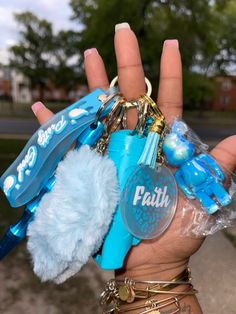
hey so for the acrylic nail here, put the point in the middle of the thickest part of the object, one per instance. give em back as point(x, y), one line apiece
point(90, 51)
point(37, 106)
point(124, 25)
point(171, 43)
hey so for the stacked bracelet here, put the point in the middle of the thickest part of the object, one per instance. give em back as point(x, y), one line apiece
point(128, 291)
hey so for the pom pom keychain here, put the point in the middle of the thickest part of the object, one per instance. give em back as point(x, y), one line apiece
point(73, 218)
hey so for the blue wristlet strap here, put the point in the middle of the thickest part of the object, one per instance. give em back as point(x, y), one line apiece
point(28, 174)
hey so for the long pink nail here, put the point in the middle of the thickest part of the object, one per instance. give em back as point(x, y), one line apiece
point(171, 42)
point(37, 106)
point(90, 51)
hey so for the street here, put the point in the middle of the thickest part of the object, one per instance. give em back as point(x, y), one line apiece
point(206, 131)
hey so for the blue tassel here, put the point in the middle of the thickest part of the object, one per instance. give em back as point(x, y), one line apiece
point(149, 154)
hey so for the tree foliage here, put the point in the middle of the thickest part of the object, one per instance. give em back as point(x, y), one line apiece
point(202, 27)
point(30, 55)
point(206, 30)
point(43, 56)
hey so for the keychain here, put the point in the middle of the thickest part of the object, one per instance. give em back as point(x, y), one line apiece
point(198, 175)
point(35, 165)
point(72, 220)
point(135, 153)
point(149, 200)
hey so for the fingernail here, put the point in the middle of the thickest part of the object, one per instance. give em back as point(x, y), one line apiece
point(37, 106)
point(122, 26)
point(171, 42)
point(90, 51)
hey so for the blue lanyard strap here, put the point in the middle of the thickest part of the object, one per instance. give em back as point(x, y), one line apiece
point(28, 174)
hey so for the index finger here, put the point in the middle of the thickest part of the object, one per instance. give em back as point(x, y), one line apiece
point(170, 85)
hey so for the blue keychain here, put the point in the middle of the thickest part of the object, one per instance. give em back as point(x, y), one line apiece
point(135, 154)
point(71, 221)
point(35, 165)
point(125, 149)
point(198, 175)
point(25, 178)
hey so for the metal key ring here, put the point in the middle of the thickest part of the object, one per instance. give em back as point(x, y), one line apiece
point(148, 84)
point(104, 105)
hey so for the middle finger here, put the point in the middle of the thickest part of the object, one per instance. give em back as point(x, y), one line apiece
point(129, 66)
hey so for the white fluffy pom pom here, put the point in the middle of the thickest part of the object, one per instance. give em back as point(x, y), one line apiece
point(72, 220)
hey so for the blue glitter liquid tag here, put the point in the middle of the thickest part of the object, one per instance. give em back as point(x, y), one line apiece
point(148, 201)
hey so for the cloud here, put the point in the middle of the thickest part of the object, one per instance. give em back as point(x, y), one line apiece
point(57, 12)
point(4, 56)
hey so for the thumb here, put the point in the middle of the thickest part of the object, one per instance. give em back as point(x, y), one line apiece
point(41, 112)
point(225, 153)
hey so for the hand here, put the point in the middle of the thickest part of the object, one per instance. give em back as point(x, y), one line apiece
point(166, 256)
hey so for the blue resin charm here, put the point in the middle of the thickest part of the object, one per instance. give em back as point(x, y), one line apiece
point(197, 176)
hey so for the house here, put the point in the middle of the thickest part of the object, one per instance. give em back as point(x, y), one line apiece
point(5, 83)
point(225, 96)
point(16, 87)
point(20, 88)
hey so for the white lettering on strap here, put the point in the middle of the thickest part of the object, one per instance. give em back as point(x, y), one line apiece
point(44, 136)
point(27, 163)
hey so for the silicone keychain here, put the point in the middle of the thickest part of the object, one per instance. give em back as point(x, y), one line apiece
point(29, 173)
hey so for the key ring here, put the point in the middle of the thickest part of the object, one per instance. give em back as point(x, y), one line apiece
point(104, 105)
point(136, 104)
point(148, 84)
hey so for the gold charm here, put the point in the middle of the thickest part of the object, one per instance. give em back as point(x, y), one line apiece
point(124, 292)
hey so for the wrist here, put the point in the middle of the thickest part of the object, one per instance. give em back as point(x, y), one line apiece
point(160, 271)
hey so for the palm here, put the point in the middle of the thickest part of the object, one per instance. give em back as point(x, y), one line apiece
point(171, 247)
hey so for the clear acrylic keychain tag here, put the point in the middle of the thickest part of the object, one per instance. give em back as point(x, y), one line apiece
point(149, 200)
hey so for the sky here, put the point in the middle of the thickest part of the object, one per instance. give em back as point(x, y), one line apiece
point(56, 11)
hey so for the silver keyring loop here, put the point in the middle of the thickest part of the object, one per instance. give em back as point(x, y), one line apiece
point(148, 84)
point(104, 105)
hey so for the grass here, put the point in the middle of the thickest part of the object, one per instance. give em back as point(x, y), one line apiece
point(9, 149)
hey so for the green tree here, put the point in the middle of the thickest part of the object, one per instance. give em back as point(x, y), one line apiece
point(67, 63)
point(225, 61)
point(198, 25)
point(43, 56)
point(31, 55)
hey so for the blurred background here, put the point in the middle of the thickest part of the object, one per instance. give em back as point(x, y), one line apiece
point(41, 58)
